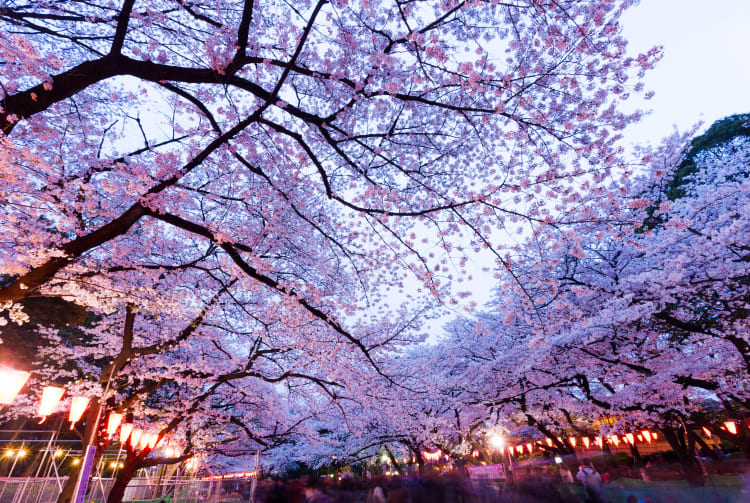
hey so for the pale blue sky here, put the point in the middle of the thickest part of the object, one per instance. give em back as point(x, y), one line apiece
point(703, 76)
point(705, 72)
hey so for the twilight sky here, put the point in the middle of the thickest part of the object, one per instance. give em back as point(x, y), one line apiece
point(705, 72)
point(703, 76)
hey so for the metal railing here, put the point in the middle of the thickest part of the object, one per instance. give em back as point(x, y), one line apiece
point(173, 489)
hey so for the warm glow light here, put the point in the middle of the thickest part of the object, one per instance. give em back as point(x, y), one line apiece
point(519, 449)
point(530, 447)
point(549, 442)
point(153, 438)
point(144, 441)
point(77, 408)
point(113, 464)
point(135, 437)
point(599, 441)
point(431, 456)
point(13, 381)
point(21, 453)
point(51, 396)
point(9, 452)
point(113, 422)
point(731, 427)
point(76, 461)
point(573, 441)
point(707, 432)
point(586, 442)
point(497, 441)
point(654, 435)
point(615, 440)
point(125, 431)
point(58, 453)
point(631, 438)
point(647, 435)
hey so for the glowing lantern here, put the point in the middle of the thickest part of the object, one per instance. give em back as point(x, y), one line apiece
point(647, 435)
point(77, 408)
point(51, 396)
point(153, 440)
point(573, 441)
point(654, 436)
point(731, 427)
point(586, 441)
point(599, 441)
point(113, 422)
point(707, 432)
point(125, 431)
point(135, 437)
point(549, 442)
point(631, 438)
point(144, 441)
point(639, 437)
point(475, 453)
point(530, 447)
point(519, 449)
point(615, 440)
point(13, 381)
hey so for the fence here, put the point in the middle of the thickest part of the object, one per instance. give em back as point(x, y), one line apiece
point(171, 489)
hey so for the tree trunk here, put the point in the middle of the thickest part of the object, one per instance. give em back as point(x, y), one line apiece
point(66, 495)
point(123, 479)
point(685, 451)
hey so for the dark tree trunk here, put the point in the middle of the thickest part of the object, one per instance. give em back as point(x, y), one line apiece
point(685, 451)
point(66, 495)
point(121, 482)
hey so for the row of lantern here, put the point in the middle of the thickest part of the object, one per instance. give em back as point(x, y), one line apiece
point(238, 475)
point(14, 380)
point(628, 439)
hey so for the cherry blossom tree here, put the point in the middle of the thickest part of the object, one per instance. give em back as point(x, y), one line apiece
point(216, 173)
point(638, 311)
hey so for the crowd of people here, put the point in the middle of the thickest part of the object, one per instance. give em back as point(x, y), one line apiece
point(530, 484)
point(453, 487)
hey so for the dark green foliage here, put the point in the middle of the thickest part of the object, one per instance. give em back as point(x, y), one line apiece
point(719, 133)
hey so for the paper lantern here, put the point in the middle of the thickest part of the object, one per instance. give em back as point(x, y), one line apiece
point(143, 443)
point(654, 436)
point(647, 435)
point(135, 437)
point(586, 441)
point(549, 442)
point(77, 407)
point(639, 437)
point(13, 381)
point(530, 447)
point(125, 431)
point(153, 440)
point(731, 427)
point(599, 441)
point(615, 440)
point(51, 396)
point(631, 438)
point(573, 441)
point(113, 422)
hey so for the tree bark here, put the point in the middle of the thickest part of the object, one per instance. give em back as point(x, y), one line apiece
point(123, 479)
point(685, 451)
point(66, 495)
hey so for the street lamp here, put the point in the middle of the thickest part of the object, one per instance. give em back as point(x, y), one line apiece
point(497, 441)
